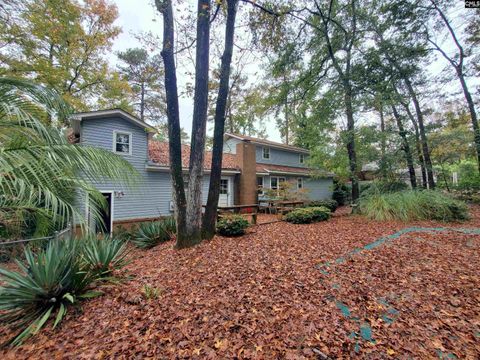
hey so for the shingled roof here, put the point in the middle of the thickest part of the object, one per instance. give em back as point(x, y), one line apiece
point(159, 154)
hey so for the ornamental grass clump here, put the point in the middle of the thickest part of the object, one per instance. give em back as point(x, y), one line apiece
point(413, 205)
point(232, 225)
point(52, 278)
point(308, 215)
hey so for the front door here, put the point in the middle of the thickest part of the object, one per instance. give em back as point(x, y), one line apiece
point(223, 199)
point(104, 224)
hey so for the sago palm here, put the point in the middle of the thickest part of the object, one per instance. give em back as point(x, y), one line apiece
point(41, 173)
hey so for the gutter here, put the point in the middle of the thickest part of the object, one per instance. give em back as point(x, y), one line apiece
point(164, 168)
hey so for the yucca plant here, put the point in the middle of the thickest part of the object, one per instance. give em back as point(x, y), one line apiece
point(153, 233)
point(48, 281)
point(169, 225)
point(101, 256)
point(40, 171)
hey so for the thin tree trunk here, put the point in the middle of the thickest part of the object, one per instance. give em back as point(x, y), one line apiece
point(406, 148)
point(199, 125)
point(287, 126)
point(423, 136)
point(210, 216)
point(142, 102)
point(383, 143)
point(473, 114)
point(457, 63)
point(418, 145)
point(352, 155)
point(173, 118)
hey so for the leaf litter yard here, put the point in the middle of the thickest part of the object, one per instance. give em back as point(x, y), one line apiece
point(343, 288)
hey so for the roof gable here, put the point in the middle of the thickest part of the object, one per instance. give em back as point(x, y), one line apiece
point(102, 114)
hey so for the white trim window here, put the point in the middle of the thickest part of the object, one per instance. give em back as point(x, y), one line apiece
point(275, 183)
point(299, 183)
point(301, 158)
point(223, 186)
point(122, 142)
point(260, 186)
point(266, 152)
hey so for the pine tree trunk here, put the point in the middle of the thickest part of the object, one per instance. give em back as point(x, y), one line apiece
point(406, 147)
point(173, 118)
point(352, 155)
point(473, 114)
point(423, 136)
point(210, 216)
point(199, 125)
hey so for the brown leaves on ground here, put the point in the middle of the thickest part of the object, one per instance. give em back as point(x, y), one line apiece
point(264, 296)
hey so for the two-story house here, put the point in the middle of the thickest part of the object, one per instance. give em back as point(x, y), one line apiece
point(249, 164)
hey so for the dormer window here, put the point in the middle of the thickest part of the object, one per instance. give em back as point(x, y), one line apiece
point(301, 158)
point(122, 142)
point(266, 152)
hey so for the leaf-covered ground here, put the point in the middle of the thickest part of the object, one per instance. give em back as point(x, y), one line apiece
point(343, 288)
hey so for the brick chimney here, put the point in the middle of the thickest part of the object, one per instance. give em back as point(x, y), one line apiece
point(247, 189)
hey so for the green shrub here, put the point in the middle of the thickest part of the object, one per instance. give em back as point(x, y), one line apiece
point(121, 233)
point(308, 215)
point(468, 177)
point(341, 193)
point(413, 205)
point(48, 281)
point(232, 225)
point(153, 233)
point(102, 256)
point(330, 204)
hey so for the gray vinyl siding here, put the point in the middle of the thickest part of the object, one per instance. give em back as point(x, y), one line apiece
point(230, 145)
point(279, 157)
point(317, 189)
point(152, 195)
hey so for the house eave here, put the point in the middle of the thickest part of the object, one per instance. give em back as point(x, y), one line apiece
point(164, 168)
point(101, 114)
point(272, 145)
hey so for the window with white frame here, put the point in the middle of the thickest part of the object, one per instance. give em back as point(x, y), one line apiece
point(300, 183)
point(260, 185)
point(266, 152)
point(301, 158)
point(223, 186)
point(275, 182)
point(123, 142)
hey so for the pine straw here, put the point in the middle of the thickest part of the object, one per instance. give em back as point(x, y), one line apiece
point(262, 296)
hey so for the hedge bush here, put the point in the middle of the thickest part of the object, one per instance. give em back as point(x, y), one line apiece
point(330, 204)
point(413, 205)
point(308, 215)
point(232, 225)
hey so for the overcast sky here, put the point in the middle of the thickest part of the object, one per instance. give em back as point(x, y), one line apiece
point(137, 16)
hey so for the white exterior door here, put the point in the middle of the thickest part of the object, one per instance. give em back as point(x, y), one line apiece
point(225, 198)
